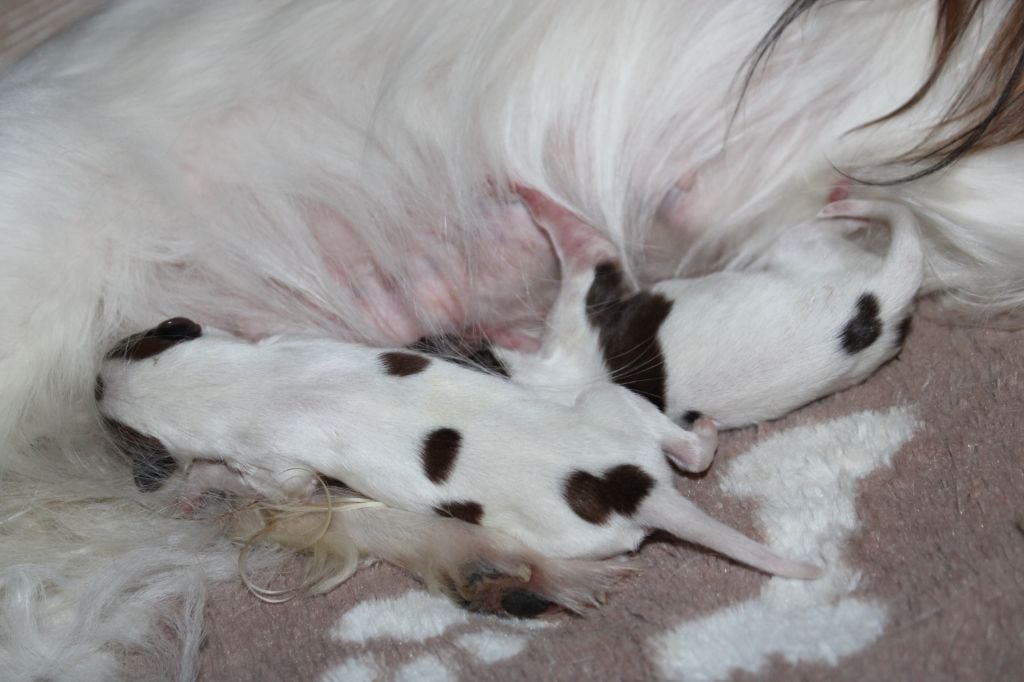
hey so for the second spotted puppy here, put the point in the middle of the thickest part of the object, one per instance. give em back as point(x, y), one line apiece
point(815, 314)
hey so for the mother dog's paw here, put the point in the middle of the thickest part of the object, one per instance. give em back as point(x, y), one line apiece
point(527, 589)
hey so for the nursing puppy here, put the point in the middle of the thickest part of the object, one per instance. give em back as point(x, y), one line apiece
point(321, 168)
point(588, 480)
point(816, 313)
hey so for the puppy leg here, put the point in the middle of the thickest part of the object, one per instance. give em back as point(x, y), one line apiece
point(902, 273)
point(592, 283)
point(569, 343)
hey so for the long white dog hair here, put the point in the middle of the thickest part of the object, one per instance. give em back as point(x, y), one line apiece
point(201, 157)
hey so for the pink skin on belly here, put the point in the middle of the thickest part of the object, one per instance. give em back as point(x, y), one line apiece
point(503, 288)
point(492, 289)
point(500, 289)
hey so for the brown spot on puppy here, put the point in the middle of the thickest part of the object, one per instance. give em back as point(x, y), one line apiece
point(625, 487)
point(156, 340)
point(627, 326)
point(470, 512)
point(864, 328)
point(474, 355)
point(399, 364)
point(440, 448)
point(607, 290)
point(152, 464)
point(585, 494)
point(622, 489)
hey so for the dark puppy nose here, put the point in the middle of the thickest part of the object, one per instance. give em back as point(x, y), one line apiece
point(156, 340)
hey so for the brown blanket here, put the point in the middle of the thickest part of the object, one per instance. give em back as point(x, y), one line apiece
point(910, 488)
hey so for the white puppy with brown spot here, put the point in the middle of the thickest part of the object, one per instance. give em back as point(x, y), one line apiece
point(585, 480)
point(815, 314)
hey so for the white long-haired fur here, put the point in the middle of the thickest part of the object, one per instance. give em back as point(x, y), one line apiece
point(199, 157)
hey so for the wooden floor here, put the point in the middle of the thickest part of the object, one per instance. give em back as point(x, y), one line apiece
point(26, 23)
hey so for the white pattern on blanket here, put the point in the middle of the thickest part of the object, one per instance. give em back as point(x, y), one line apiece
point(420, 617)
point(805, 482)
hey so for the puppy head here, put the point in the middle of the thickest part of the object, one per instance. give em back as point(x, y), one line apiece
point(152, 463)
point(162, 374)
point(176, 393)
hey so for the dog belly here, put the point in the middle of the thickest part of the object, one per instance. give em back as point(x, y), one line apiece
point(504, 279)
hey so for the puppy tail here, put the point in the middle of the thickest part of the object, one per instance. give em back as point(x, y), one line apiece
point(902, 272)
point(680, 517)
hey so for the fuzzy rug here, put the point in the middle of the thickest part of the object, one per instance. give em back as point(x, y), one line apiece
point(909, 487)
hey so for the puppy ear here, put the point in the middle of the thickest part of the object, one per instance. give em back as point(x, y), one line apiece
point(180, 328)
point(152, 464)
point(156, 340)
point(691, 450)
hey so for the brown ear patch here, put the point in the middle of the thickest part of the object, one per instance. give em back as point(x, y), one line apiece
point(470, 512)
point(621, 489)
point(438, 453)
point(152, 464)
point(399, 364)
point(627, 327)
point(156, 340)
point(864, 328)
